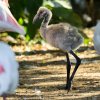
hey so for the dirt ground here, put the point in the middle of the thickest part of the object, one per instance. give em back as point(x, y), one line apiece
point(43, 74)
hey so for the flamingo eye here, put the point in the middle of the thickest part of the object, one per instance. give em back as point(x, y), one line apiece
point(40, 13)
point(1, 69)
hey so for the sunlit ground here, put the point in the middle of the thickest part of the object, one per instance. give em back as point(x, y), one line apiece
point(43, 75)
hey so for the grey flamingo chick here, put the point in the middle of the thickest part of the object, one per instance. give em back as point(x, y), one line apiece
point(62, 36)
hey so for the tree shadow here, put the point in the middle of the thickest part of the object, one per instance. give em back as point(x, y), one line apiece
point(57, 51)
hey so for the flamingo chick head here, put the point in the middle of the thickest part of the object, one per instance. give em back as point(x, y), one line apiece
point(42, 13)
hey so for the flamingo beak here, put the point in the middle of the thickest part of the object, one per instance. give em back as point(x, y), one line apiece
point(7, 20)
point(35, 18)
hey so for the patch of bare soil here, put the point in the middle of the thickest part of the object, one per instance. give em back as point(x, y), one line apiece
point(43, 75)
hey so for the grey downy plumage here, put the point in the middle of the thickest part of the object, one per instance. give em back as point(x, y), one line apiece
point(62, 36)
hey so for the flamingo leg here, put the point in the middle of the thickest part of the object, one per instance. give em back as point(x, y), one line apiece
point(78, 62)
point(68, 67)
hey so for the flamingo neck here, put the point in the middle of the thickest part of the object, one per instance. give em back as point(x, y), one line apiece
point(44, 24)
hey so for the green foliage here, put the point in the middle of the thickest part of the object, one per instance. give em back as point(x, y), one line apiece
point(24, 11)
point(87, 41)
point(66, 15)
